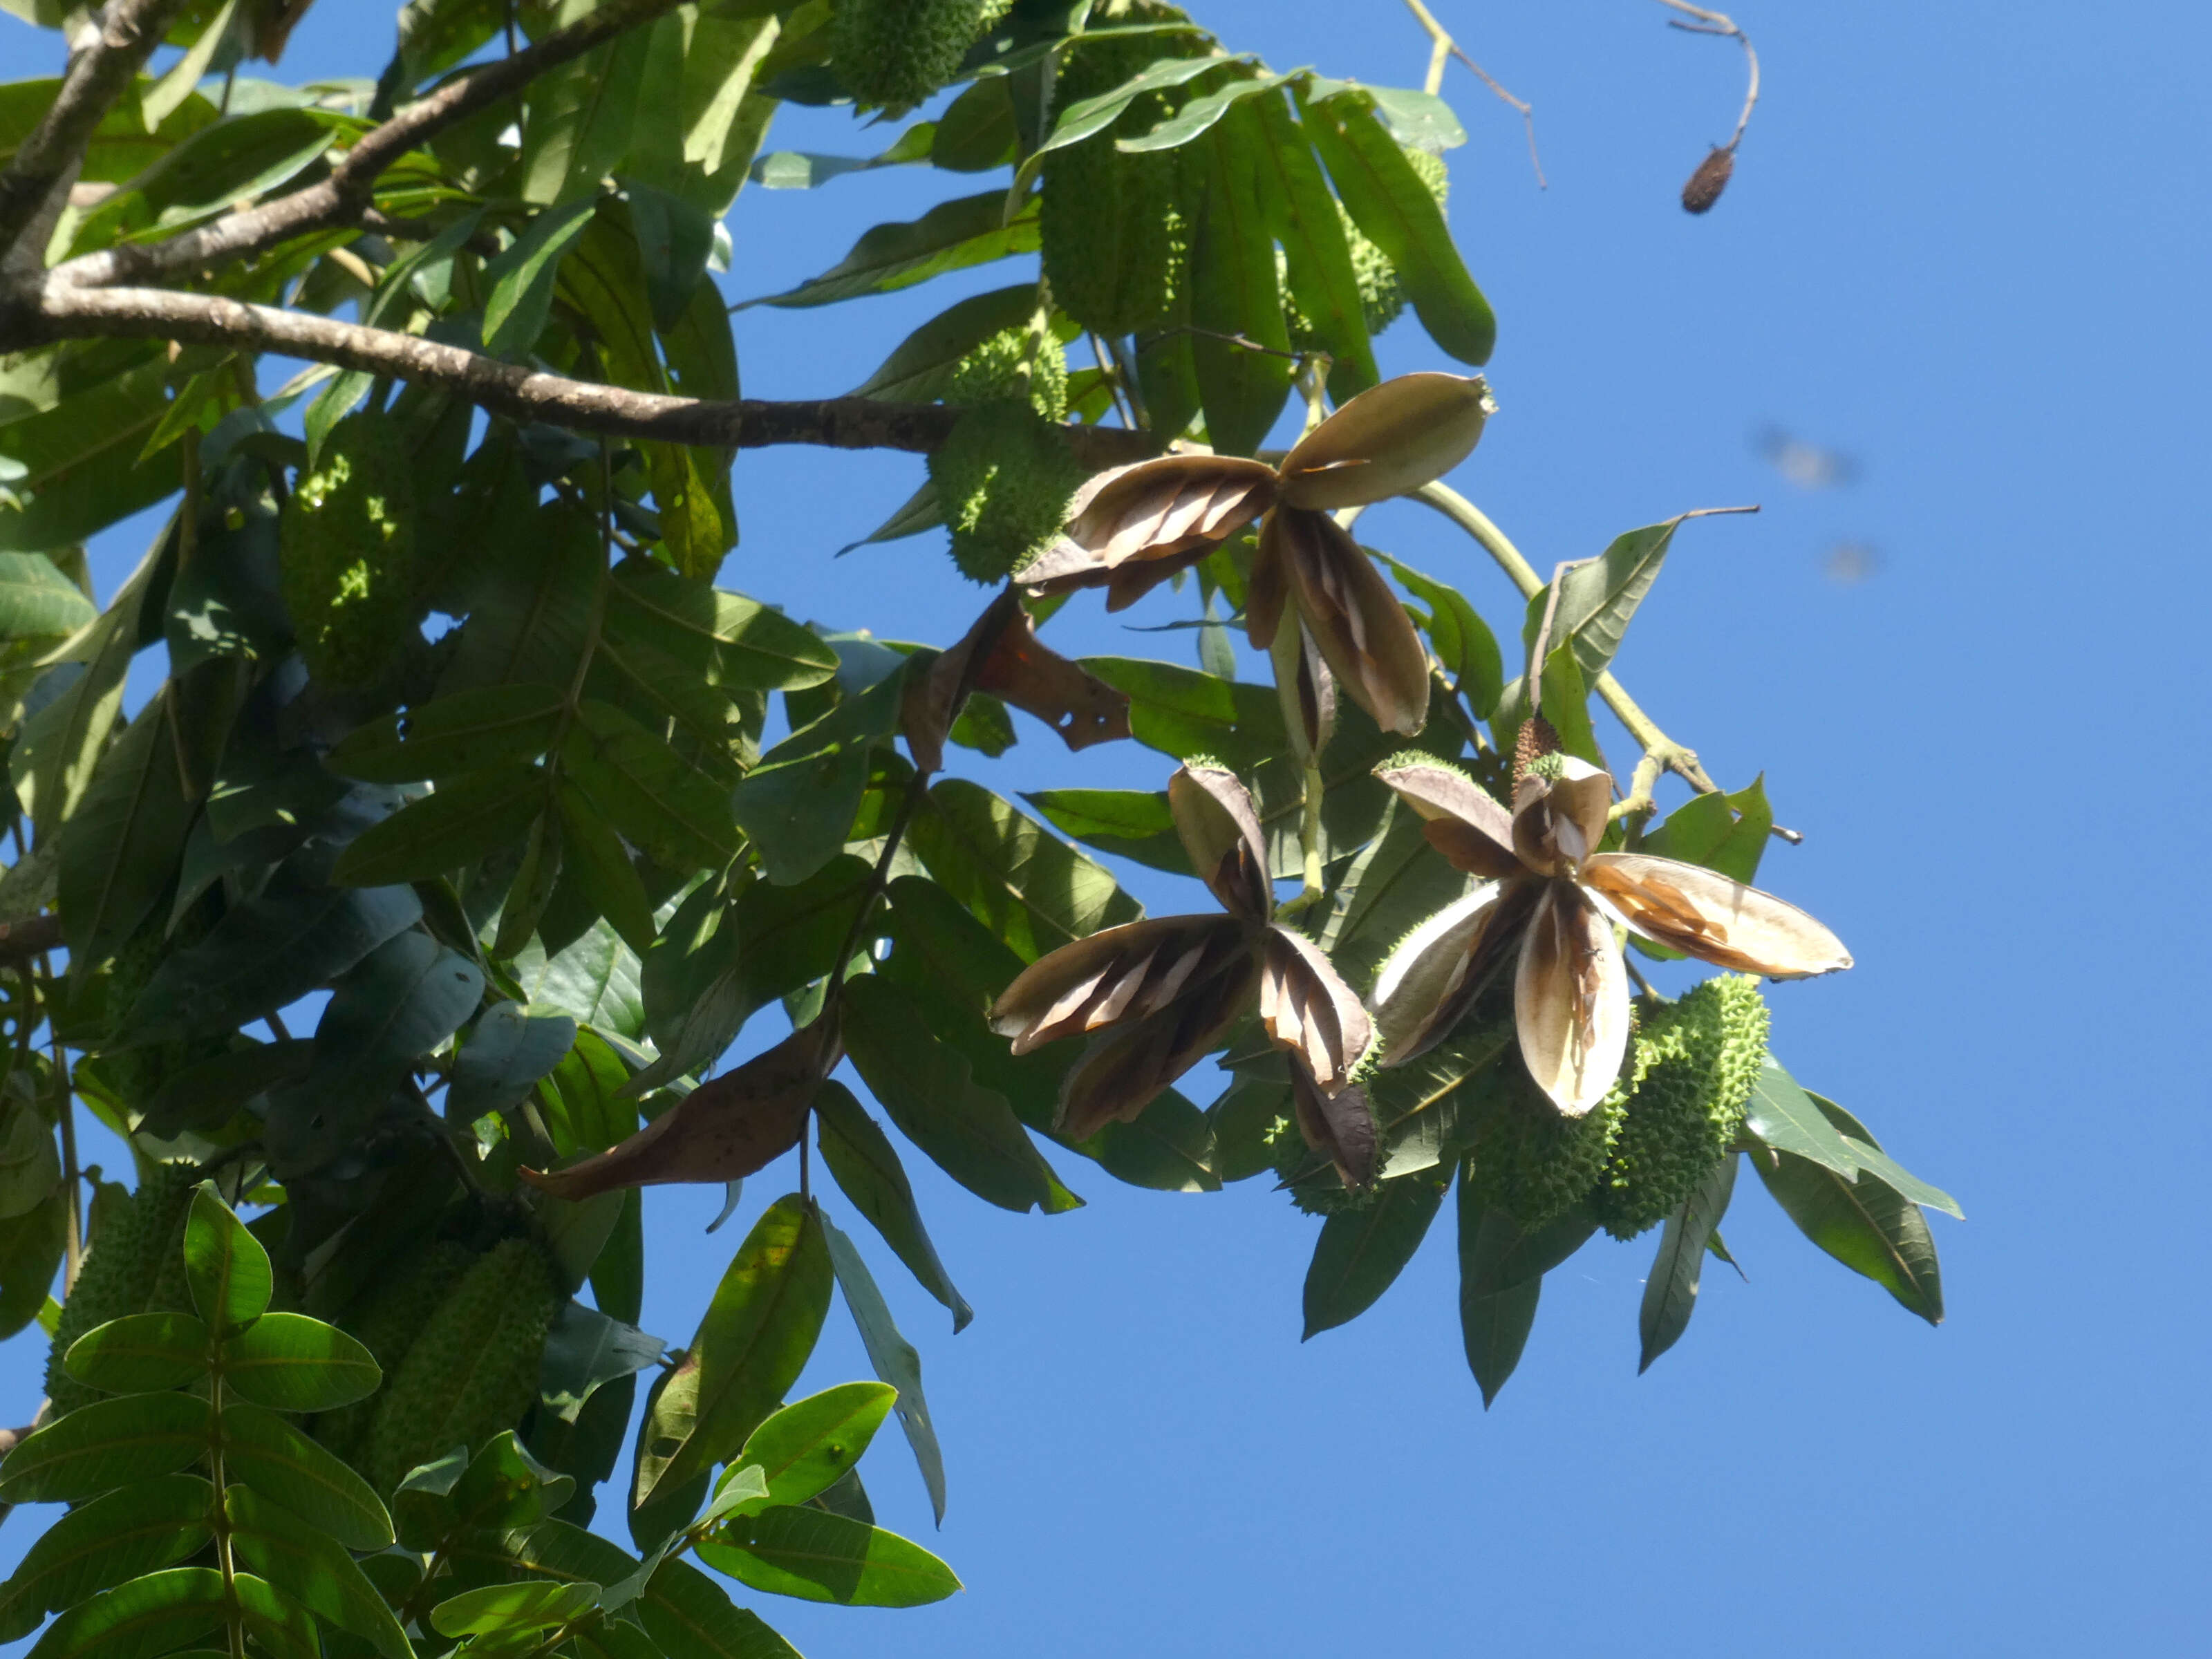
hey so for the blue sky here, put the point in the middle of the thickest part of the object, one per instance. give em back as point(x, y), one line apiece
point(1967, 245)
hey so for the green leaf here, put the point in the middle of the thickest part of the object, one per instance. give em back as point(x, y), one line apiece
point(809, 1445)
point(139, 1353)
point(1866, 1224)
point(893, 1358)
point(689, 1616)
point(593, 857)
point(506, 1052)
point(225, 1265)
point(1670, 1292)
point(1131, 824)
point(1168, 1149)
point(1395, 882)
point(1304, 218)
point(1493, 1324)
point(489, 727)
point(1782, 1116)
point(1418, 120)
point(213, 170)
point(1234, 290)
point(920, 366)
point(660, 803)
point(471, 818)
point(1874, 1161)
point(951, 236)
point(749, 1349)
point(31, 1249)
point(798, 804)
point(183, 77)
point(1361, 1252)
point(1460, 637)
point(817, 1557)
point(730, 639)
point(159, 1613)
point(1031, 890)
point(533, 1605)
point(533, 599)
point(291, 1363)
point(929, 1089)
point(1201, 113)
point(119, 850)
point(1723, 832)
point(1598, 598)
point(1391, 206)
point(77, 468)
point(311, 1569)
point(1502, 1255)
point(585, 1350)
point(404, 1000)
point(1094, 115)
point(503, 1486)
point(36, 601)
point(109, 1443)
point(582, 118)
point(269, 953)
point(521, 279)
point(278, 1462)
point(867, 1170)
point(1181, 711)
point(136, 1530)
point(593, 981)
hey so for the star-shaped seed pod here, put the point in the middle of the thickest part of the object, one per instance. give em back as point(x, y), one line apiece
point(1153, 996)
point(1548, 895)
point(1134, 527)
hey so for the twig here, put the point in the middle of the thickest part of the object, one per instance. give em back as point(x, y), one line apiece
point(1714, 22)
point(31, 936)
point(1445, 49)
point(341, 197)
point(96, 78)
point(1237, 340)
point(1661, 751)
point(64, 311)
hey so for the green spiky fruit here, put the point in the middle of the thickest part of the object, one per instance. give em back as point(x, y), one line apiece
point(1697, 1062)
point(1381, 293)
point(1532, 1161)
point(1112, 232)
point(894, 53)
point(353, 575)
point(1003, 365)
point(128, 1271)
point(1004, 479)
point(386, 1322)
point(473, 1370)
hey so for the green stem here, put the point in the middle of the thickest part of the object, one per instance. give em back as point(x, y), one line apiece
point(219, 1522)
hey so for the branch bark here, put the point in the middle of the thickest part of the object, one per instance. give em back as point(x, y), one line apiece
point(96, 77)
point(343, 197)
point(29, 937)
point(65, 311)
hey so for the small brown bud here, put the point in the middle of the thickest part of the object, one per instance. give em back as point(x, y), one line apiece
point(1538, 738)
point(1707, 183)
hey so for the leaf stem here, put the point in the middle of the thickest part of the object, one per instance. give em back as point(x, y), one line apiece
point(65, 1115)
point(1443, 50)
point(219, 1522)
point(1714, 22)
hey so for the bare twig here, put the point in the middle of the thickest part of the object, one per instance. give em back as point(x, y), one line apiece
point(1714, 22)
point(1444, 48)
point(64, 311)
point(342, 198)
point(96, 78)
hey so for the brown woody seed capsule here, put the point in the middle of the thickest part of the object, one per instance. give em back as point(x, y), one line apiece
point(1707, 183)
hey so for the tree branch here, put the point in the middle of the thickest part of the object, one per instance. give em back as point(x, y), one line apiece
point(96, 77)
point(30, 936)
point(343, 198)
point(64, 311)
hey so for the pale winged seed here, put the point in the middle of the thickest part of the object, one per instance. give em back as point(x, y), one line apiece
point(1390, 438)
point(1362, 629)
point(1571, 1000)
point(1705, 914)
point(1421, 978)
